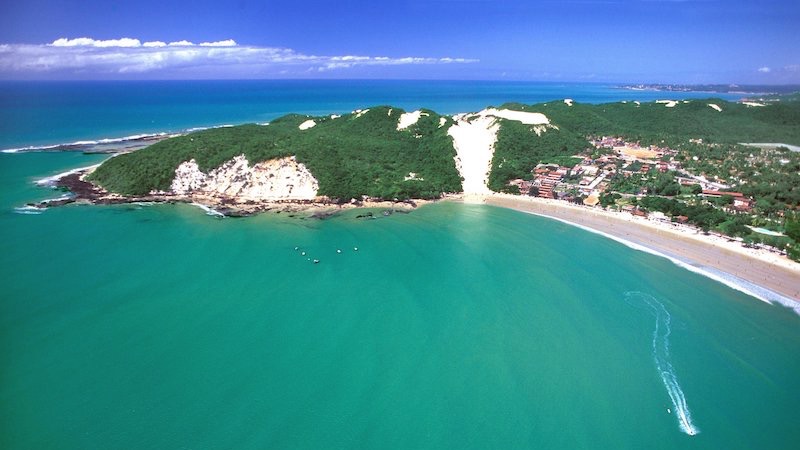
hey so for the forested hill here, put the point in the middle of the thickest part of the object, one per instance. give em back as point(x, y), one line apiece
point(362, 153)
point(675, 123)
point(368, 153)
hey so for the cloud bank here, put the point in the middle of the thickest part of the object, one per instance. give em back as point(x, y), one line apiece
point(126, 56)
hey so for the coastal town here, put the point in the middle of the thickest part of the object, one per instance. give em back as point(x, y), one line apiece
point(620, 175)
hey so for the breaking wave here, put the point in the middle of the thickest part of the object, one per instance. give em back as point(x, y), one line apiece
point(209, 210)
point(661, 357)
point(28, 210)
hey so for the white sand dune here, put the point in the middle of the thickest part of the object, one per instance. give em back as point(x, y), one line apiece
point(474, 144)
point(307, 124)
point(528, 118)
point(668, 103)
point(409, 119)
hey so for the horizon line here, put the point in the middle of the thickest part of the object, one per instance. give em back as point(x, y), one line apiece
point(493, 80)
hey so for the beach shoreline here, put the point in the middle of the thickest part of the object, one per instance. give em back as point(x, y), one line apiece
point(763, 272)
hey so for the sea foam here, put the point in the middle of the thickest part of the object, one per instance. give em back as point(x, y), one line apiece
point(209, 210)
point(28, 210)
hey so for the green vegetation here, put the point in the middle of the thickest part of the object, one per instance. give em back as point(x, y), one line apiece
point(700, 214)
point(519, 149)
point(654, 182)
point(654, 123)
point(793, 232)
point(350, 156)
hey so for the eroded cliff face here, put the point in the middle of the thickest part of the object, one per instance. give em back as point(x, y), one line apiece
point(277, 179)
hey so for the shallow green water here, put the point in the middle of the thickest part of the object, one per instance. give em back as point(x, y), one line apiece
point(454, 326)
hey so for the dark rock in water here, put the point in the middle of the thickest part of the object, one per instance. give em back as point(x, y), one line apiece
point(100, 152)
point(233, 212)
point(322, 215)
point(58, 202)
point(53, 202)
point(81, 189)
point(368, 215)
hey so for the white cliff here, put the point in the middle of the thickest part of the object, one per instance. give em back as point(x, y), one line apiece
point(277, 179)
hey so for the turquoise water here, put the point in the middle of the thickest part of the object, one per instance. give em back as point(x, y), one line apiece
point(455, 326)
point(49, 113)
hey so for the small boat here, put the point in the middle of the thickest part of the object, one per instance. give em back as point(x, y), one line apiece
point(316, 261)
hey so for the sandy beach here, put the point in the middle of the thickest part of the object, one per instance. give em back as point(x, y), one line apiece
point(762, 268)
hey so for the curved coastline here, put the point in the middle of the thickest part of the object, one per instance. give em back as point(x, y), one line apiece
point(767, 277)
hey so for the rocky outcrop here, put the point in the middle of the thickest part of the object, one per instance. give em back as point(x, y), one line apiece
point(277, 179)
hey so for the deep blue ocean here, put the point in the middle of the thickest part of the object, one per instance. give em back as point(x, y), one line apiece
point(452, 327)
point(51, 113)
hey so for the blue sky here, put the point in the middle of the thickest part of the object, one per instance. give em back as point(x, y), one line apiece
point(670, 41)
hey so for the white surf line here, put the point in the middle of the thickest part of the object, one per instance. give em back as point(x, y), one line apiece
point(732, 281)
point(118, 140)
point(91, 142)
point(661, 357)
point(209, 210)
point(28, 210)
point(51, 180)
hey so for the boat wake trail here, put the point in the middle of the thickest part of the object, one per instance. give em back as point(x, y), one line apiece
point(662, 359)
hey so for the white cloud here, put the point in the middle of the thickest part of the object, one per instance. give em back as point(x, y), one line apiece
point(764, 69)
point(183, 43)
point(226, 57)
point(225, 43)
point(89, 42)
